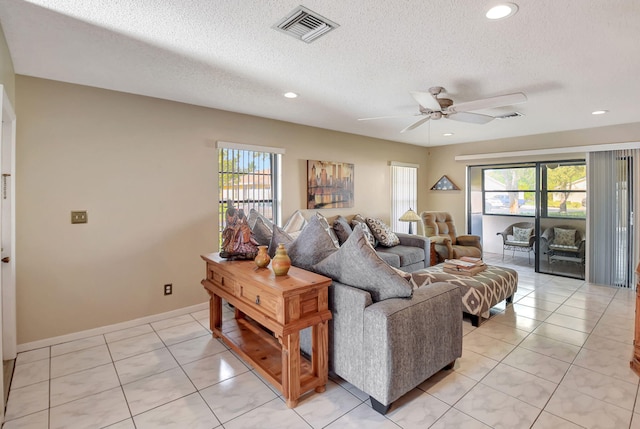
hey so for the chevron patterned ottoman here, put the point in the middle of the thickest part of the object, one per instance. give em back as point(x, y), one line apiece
point(479, 292)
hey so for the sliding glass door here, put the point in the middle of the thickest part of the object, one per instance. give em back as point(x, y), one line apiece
point(545, 199)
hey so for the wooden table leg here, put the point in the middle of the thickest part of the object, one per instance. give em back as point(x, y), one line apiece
point(319, 354)
point(291, 368)
point(215, 313)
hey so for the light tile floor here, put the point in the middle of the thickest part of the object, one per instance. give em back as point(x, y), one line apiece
point(557, 358)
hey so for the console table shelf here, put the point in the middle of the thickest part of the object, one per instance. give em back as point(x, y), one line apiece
point(270, 312)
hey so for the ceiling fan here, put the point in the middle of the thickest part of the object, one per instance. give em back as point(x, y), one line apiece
point(433, 107)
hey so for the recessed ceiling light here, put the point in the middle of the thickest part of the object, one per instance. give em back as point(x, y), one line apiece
point(502, 10)
point(447, 134)
point(599, 112)
point(291, 95)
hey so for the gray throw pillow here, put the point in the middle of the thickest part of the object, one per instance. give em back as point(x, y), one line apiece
point(342, 228)
point(262, 232)
point(253, 217)
point(312, 245)
point(382, 232)
point(325, 224)
point(279, 236)
point(357, 264)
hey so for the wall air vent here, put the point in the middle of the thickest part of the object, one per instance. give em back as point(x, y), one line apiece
point(305, 25)
point(509, 115)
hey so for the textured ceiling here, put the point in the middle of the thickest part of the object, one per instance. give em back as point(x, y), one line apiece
point(569, 57)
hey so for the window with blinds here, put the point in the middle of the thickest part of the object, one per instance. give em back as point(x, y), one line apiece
point(404, 193)
point(248, 178)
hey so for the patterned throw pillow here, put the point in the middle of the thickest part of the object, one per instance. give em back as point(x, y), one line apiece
point(382, 232)
point(521, 234)
point(342, 228)
point(357, 264)
point(564, 237)
point(359, 220)
point(325, 224)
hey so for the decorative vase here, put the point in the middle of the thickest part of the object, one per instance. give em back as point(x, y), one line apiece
point(262, 259)
point(281, 261)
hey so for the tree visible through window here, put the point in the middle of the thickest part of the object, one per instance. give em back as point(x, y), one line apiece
point(247, 179)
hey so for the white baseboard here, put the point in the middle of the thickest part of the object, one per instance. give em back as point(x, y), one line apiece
point(47, 342)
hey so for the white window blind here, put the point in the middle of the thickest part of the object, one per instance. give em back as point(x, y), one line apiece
point(614, 238)
point(404, 194)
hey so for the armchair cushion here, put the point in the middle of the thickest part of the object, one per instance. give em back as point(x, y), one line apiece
point(522, 234)
point(358, 265)
point(564, 237)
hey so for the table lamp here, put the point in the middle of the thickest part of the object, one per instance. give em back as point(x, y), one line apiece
point(410, 216)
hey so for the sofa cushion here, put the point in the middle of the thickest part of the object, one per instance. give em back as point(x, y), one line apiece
point(382, 232)
point(312, 245)
point(357, 264)
point(342, 228)
point(406, 255)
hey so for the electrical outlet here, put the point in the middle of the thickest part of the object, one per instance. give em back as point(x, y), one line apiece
point(79, 217)
point(168, 289)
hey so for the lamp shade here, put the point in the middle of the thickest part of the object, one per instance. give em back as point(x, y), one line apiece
point(409, 216)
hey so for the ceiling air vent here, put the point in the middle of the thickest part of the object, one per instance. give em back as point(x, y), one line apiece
point(305, 25)
point(509, 115)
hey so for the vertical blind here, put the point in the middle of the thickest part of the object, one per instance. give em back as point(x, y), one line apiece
point(614, 238)
point(404, 193)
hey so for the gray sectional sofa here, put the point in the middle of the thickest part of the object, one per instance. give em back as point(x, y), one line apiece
point(388, 348)
point(386, 337)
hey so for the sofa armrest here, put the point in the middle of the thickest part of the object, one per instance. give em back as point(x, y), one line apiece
point(408, 340)
point(346, 328)
point(469, 240)
point(417, 241)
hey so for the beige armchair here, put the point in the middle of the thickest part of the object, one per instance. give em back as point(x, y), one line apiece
point(441, 230)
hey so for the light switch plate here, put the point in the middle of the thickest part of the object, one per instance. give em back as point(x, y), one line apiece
point(79, 217)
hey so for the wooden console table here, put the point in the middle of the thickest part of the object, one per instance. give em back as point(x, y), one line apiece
point(270, 312)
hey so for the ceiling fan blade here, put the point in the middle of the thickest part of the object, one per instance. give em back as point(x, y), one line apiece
point(388, 117)
point(474, 118)
point(426, 100)
point(489, 103)
point(416, 124)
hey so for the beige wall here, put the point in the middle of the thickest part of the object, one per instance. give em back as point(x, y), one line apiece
point(441, 160)
point(7, 75)
point(145, 170)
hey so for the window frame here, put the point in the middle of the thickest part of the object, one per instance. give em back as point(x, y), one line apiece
point(404, 196)
point(252, 194)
